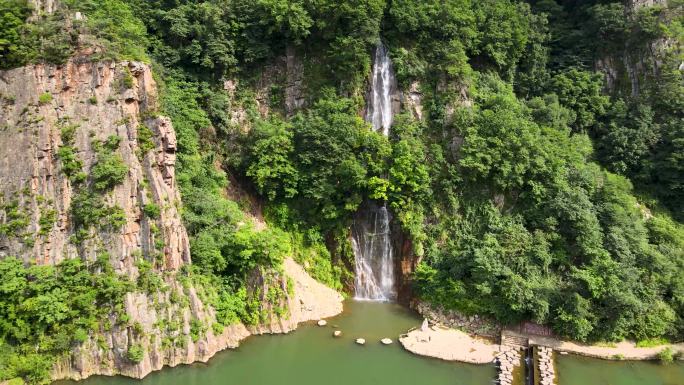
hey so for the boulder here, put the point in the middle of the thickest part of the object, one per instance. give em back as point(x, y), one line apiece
point(337, 333)
point(386, 341)
point(322, 322)
point(360, 341)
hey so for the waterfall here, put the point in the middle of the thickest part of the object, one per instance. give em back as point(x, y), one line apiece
point(371, 237)
point(373, 255)
point(379, 111)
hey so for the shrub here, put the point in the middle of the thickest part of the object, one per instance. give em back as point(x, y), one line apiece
point(46, 221)
point(71, 164)
point(152, 210)
point(652, 342)
point(666, 356)
point(127, 80)
point(45, 98)
point(197, 329)
point(115, 217)
point(88, 210)
point(112, 142)
point(33, 368)
point(148, 280)
point(109, 171)
point(80, 335)
point(46, 309)
point(135, 353)
point(138, 328)
point(217, 328)
point(67, 133)
point(145, 140)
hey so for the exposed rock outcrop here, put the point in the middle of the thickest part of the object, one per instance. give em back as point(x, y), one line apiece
point(627, 69)
point(412, 100)
point(98, 101)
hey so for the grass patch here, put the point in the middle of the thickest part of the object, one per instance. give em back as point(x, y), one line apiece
point(652, 342)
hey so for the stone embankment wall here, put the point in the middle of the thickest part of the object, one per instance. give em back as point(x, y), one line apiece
point(547, 371)
point(509, 365)
point(471, 324)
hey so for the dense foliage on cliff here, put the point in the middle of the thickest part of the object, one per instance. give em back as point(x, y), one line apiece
point(534, 186)
point(46, 310)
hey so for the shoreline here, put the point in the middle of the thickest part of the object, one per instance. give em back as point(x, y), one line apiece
point(452, 344)
point(311, 301)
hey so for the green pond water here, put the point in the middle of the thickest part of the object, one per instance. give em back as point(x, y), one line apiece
point(577, 370)
point(311, 356)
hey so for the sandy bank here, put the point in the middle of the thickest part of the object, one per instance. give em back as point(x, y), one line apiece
point(455, 345)
point(449, 344)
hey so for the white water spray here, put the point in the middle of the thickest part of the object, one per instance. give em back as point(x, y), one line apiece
point(371, 237)
point(379, 111)
point(371, 242)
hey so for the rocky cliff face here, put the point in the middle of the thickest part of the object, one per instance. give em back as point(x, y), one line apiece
point(97, 101)
point(625, 70)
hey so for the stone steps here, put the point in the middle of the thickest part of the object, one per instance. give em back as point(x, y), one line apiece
point(512, 340)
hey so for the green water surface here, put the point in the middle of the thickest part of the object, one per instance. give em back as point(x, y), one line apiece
point(577, 370)
point(311, 356)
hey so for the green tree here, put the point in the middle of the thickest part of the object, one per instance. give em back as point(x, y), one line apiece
point(580, 91)
point(270, 164)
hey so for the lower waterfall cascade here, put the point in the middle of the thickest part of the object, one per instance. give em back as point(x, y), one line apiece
point(374, 256)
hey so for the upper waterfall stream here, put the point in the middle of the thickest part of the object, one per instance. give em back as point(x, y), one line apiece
point(379, 109)
point(371, 236)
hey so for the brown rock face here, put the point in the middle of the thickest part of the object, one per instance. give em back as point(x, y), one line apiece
point(101, 100)
point(406, 263)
